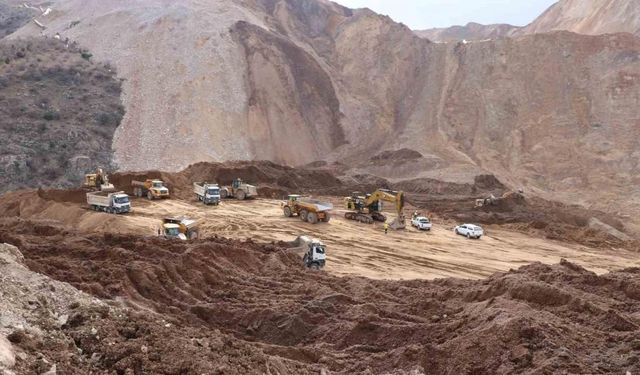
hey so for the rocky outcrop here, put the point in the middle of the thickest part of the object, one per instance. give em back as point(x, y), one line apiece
point(588, 17)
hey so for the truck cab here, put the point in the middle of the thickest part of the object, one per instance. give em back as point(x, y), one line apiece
point(172, 231)
point(316, 256)
point(212, 194)
point(121, 203)
point(158, 189)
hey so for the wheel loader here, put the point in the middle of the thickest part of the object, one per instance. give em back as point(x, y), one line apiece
point(239, 190)
point(310, 210)
point(368, 208)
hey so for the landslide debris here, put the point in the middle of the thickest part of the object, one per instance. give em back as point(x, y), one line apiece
point(275, 315)
point(47, 325)
point(58, 113)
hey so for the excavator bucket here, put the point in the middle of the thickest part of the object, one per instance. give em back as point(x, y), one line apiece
point(107, 187)
point(398, 223)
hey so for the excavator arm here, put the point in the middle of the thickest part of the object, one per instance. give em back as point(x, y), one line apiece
point(396, 197)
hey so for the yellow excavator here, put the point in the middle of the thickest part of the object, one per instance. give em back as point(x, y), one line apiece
point(98, 181)
point(368, 208)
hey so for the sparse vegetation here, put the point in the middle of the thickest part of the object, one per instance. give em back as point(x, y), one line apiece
point(55, 105)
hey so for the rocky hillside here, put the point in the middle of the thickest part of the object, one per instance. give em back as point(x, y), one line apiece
point(13, 17)
point(471, 32)
point(58, 113)
point(300, 81)
point(589, 17)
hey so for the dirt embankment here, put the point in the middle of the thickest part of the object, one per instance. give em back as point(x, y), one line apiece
point(541, 318)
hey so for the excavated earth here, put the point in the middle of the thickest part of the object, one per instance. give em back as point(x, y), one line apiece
point(224, 306)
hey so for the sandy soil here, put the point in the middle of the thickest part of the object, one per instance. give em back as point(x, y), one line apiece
point(364, 250)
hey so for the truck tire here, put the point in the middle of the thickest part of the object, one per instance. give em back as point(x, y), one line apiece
point(150, 195)
point(241, 195)
point(303, 215)
point(327, 217)
point(468, 235)
point(287, 211)
point(312, 218)
point(224, 193)
point(314, 266)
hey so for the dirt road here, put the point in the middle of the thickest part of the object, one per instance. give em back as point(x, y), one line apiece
point(359, 249)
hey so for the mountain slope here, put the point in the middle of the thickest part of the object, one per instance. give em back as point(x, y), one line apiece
point(58, 114)
point(471, 31)
point(295, 81)
point(589, 17)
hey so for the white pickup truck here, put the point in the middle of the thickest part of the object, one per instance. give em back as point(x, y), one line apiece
point(421, 223)
point(113, 203)
point(207, 193)
point(469, 230)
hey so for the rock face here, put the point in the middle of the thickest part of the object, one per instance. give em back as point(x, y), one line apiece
point(306, 80)
point(589, 17)
point(471, 31)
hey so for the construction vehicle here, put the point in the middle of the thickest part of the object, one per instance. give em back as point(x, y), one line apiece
point(98, 181)
point(310, 210)
point(180, 227)
point(111, 202)
point(207, 193)
point(239, 190)
point(315, 254)
point(151, 188)
point(368, 208)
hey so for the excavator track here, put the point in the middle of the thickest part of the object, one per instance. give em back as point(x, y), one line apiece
point(358, 217)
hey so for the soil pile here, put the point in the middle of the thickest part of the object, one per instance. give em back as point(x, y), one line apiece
point(541, 318)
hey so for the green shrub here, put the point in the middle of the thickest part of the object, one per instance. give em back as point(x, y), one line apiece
point(51, 115)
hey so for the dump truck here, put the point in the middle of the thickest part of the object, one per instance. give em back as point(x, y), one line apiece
point(98, 181)
point(239, 190)
point(180, 227)
point(111, 202)
point(315, 255)
point(308, 209)
point(151, 188)
point(207, 193)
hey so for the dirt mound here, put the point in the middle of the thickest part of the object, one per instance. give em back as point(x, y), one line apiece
point(483, 185)
point(51, 325)
point(541, 318)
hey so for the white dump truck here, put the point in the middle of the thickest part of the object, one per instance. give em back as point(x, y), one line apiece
point(113, 203)
point(315, 252)
point(207, 193)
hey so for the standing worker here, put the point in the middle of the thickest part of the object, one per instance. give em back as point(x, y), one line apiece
point(386, 228)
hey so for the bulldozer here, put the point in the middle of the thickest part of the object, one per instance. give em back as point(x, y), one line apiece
point(180, 228)
point(368, 208)
point(98, 181)
point(239, 190)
